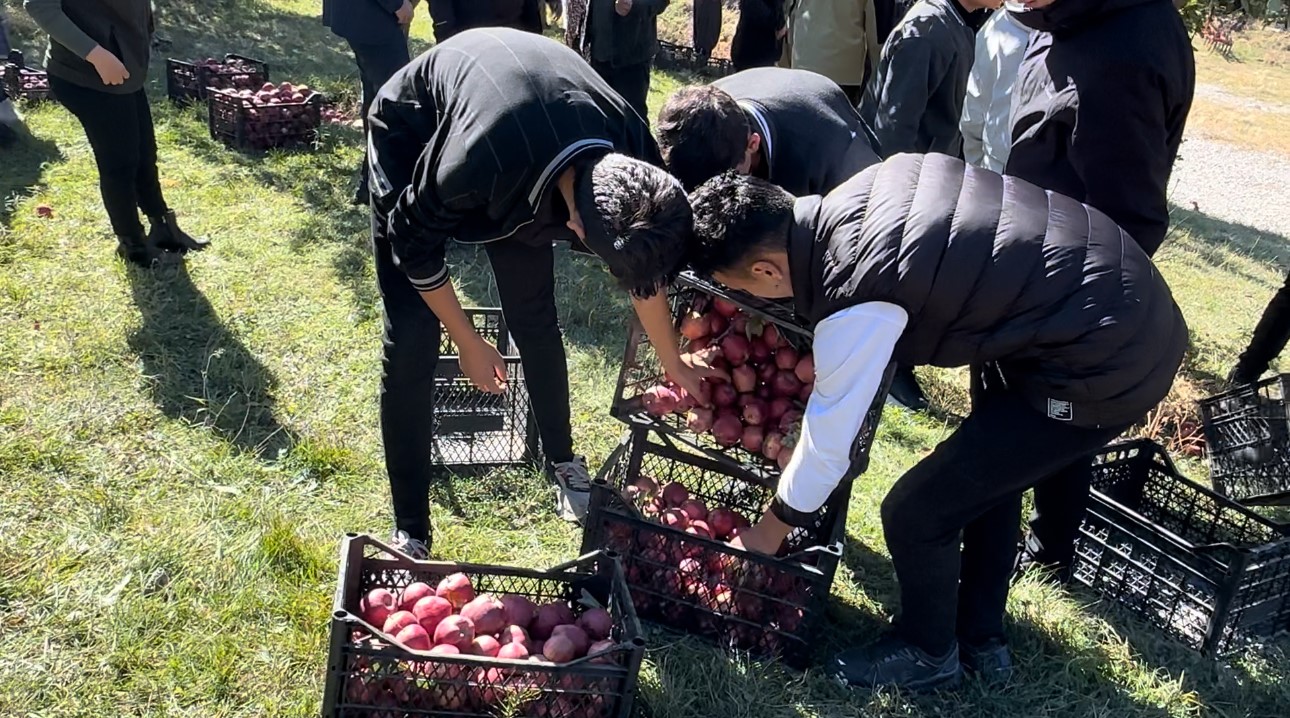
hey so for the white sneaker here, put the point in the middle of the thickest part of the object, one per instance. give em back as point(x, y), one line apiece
point(573, 489)
point(414, 548)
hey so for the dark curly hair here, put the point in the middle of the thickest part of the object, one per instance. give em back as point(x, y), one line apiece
point(736, 219)
point(637, 219)
point(702, 132)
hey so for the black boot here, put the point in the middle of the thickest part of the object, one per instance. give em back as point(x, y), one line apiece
point(167, 235)
point(137, 250)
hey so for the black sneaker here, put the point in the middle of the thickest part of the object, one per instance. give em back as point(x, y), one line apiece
point(892, 662)
point(991, 662)
point(905, 390)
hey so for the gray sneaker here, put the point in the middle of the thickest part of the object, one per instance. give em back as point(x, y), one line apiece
point(414, 548)
point(573, 489)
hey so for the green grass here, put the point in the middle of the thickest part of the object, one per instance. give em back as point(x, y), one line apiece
point(180, 450)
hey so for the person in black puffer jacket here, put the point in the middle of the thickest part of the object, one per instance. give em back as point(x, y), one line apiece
point(925, 260)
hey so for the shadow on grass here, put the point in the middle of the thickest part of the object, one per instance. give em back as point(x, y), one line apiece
point(24, 164)
point(1219, 239)
point(198, 370)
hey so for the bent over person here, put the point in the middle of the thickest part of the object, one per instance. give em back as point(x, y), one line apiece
point(509, 140)
point(925, 260)
point(791, 127)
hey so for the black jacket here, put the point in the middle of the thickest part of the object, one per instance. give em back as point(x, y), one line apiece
point(622, 40)
point(989, 270)
point(755, 44)
point(467, 140)
point(453, 16)
point(1100, 104)
point(914, 101)
point(812, 139)
point(75, 27)
point(364, 21)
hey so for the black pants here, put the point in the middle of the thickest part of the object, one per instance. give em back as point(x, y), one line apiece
point(629, 81)
point(377, 63)
point(952, 521)
point(1270, 336)
point(119, 128)
point(526, 283)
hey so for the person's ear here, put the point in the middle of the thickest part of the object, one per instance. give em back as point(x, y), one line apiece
point(750, 151)
point(766, 270)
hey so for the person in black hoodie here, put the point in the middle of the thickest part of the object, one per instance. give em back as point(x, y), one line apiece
point(508, 140)
point(620, 38)
point(925, 260)
point(1099, 108)
point(791, 127)
point(1123, 72)
point(758, 33)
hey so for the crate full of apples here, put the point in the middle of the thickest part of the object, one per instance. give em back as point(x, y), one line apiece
point(430, 638)
point(22, 82)
point(189, 81)
point(755, 417)
point(669, 513)
point(273, 117)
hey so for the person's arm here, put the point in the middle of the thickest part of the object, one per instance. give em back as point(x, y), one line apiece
point(49, 16)
point(980, 90)
point(1120, 150)
point(913, 71)
point(419, 226)
point(656, 318)
point(852, 349)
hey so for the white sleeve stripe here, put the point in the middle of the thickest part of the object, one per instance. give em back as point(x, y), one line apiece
point(852, 349)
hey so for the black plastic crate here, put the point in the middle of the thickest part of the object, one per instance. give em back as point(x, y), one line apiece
point(235, 118)
point(372, 676)
point(476, 431)
point(25, 83)
point(641, 370)
point(191, 81)
point(674, 56)
point(765, 605)
point(1247, 440)
point(1208, 571)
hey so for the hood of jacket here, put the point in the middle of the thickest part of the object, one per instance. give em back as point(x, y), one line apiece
point(1071, 15)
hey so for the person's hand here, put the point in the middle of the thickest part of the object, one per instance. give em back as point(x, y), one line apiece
point(483, 365)
point(109, 67)
point(689, 372)
point(766, 536)
point(404, 13)
point(781, 33)
point(622, 7)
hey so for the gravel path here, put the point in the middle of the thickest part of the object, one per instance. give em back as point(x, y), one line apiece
point(1232, 184)
point(1218, 94)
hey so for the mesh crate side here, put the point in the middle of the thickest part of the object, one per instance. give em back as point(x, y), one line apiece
point(1247, 441)
point(473, 428)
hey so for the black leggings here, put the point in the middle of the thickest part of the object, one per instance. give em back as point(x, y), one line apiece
point(119, 128)
point(526, 284)
point(967, 494)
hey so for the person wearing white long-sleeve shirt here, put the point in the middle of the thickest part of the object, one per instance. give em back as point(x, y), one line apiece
point(987, 108)
point(924, 260)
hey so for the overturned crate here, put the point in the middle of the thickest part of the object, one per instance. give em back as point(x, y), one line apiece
point(1206, 570)
point(372, 675)
point(1247, 441)
point(474, 431)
